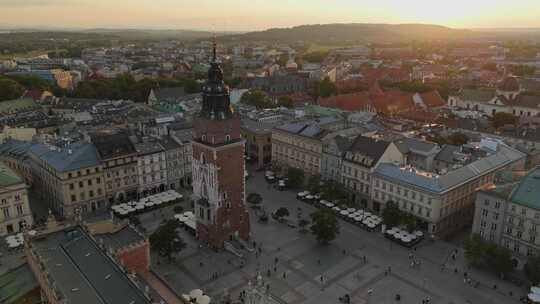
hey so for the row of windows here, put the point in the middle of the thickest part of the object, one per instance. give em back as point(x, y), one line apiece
point(6, 211)
point(117, 173)
point(519, 248)
point(86, 172)
point(402, 191)
point(82, 195)
point(81, 183)
point(16, 197)
point(404, 204)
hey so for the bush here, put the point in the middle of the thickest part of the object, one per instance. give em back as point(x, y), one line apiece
point(178, 209)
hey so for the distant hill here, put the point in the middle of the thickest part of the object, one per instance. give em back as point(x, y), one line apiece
point(355, 33)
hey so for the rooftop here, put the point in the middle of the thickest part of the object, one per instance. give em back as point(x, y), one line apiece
point(73, 157)
point(111, 145)
point(8, 177)
point(442, 183)
point(527, 192)
point(82, 273)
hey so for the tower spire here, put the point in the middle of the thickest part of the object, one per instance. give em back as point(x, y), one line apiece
point(214, 58)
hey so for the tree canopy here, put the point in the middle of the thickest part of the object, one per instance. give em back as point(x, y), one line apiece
point(326, 88)
point(165, 240)
point(125, 87)
point(487, 255)
point(254, 198)
point(295, 177)
point(282, 212)
point(456, 139)
point(10, 89)
point(325, 225)
point(315, 56)
point(532, 269)
point(258, 99)
point(500, 119)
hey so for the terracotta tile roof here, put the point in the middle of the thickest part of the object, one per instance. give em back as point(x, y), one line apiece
point(432, 99)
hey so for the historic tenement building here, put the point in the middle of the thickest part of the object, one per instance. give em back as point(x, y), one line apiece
point(218, 166)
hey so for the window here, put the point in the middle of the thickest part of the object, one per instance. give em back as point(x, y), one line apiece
point(71, 186)
point(81, 184)
point(19, 209)
point(227, 138)
point(98, 180)
point(5, 210)
point(89, 182)
point(83, 196)
point(70, 175)
point(91, 193)
point(99, 191)
point(73, 198)
point(486, 202)
point(497, 205)
point(87, 171)
point(484, 212)
point(519, 234)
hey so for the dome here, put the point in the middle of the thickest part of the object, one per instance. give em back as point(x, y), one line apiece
point(509, 84)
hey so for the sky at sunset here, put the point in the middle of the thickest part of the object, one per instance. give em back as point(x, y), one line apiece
point(261, 14)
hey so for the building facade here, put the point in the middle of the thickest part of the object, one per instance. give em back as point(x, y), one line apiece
point(15, 213)
point(442, 204)
point(218, 166)
point(509, 216)
point(333, 151)
point(119, 159)
point(151, 166)
point(69, 179)
point(258, 137)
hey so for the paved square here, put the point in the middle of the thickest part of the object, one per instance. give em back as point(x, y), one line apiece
point(292, 262)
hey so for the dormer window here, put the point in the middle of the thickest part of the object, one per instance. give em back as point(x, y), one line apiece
point(203, 138)
point(227, 138)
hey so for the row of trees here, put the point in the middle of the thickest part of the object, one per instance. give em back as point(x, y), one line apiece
point(393, 216)
point(125, 87)
point(261, 100)
point(456, 139)
point(487, 255)
point(13, 86)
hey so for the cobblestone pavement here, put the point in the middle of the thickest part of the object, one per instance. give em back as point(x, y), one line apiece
point(292, 264)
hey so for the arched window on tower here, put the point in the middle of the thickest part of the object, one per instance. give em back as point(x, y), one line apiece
point(203, 158)
point(227, 138)
point(203, 137)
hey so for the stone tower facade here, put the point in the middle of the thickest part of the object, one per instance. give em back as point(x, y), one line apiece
point(218, 166)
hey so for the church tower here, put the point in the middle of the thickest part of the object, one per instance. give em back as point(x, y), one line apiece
point(218, 165)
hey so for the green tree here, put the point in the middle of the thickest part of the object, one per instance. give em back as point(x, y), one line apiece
point(522, 70)
point(333, 191)
point(391, 214)
point(303, 223)
point(500, 119)
point(327, 88)
point(532, 269)
point(258, 99)
point(315, 57)
point(325, 225)
point(254, 198)
point(499, 259)
point(474, 249)
point(458, 139)
point(295, 177)
point(285, 101)
point(314, 183)
point(10, 89)
point(166, 241)
point(281, 213)
point(283, 59)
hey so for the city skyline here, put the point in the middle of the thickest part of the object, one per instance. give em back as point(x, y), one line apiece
point(243, 15)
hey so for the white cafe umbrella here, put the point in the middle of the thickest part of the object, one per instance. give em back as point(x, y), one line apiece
point(352, 215)
point(351, 209)
point(419, 233)
point(203, 299)
point(196, 293)
point(309, 196)
point(336, 208)
point(344, 212)
point(406, 239)
point(535, 289)
point(534, 297)
point(329, 205)
point(371, 225)
point(358, 218)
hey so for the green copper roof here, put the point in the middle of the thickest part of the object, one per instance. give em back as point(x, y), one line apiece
point(527, 192)
point(7, 176)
